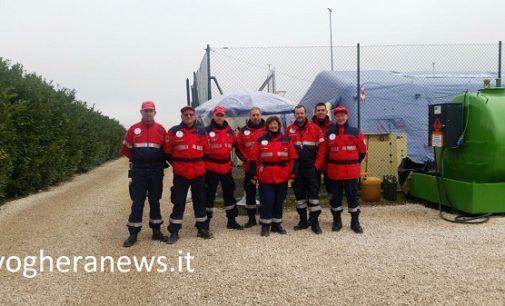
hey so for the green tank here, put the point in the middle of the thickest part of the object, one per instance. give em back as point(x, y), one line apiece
point(481, 159)
point(473, 176)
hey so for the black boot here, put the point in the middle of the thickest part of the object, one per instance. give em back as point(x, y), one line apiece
point(314, 222)
point(130, 240)
point(173, 237)
point(337, 221)
point(209, 217)
point(303, 223)
point(265, 230)
point(251, 222)
point(355, 226)
point(204, 233)
point(158, 235)
point(232, 224)
point(252, 218)
point(277, 228)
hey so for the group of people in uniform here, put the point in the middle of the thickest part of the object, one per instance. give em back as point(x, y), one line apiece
point(305, 152)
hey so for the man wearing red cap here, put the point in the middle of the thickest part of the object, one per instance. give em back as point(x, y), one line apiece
point(186, 146)
point(345, 148)
point(143, 145)
point(218, 166)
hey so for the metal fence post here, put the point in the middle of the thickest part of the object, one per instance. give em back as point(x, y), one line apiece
point(196, 98)
point(188, 98)
point(209, 89)
point(331, 39)
point(499, 59)
point(358, 87)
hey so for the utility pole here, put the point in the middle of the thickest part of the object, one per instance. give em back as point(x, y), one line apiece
point(331, 39)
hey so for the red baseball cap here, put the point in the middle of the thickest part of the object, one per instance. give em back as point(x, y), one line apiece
point(186, 108)
point(340, 109)
point(220, 110)
point(148, 105)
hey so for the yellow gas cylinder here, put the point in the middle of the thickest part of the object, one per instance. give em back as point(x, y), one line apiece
point(371, 189)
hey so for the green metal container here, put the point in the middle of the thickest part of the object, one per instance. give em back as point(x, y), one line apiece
point(473, 176)
point(481, 159)
point(472, 198)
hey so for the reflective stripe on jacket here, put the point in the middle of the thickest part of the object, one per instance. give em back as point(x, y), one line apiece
point(345, 149)
point(143, 145)
point(221, 142)
point(307, 140)
point(273, 159)
point(186, 148)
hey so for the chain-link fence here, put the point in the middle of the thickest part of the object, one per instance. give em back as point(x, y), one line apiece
point(295, 68)
point(387, 88)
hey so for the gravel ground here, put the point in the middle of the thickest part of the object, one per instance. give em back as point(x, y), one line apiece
point(407, 255)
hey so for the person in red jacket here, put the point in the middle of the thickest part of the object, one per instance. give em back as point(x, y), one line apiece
point(345, 149)
point(307, 138)
point(322, 119)
point(246, 137)
point(218, 166)
point(273, 162)
point(143, 145)
point(185, 147)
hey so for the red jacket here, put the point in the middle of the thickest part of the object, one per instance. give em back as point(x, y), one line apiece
point(324, 125)
point(273, 159)
point(345, 149)
point(307, 140)
point(143, 145)
point(186, 148)
point(221, 142)
point(245, 140)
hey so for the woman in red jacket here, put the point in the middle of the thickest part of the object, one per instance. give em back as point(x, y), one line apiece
point(272, 160)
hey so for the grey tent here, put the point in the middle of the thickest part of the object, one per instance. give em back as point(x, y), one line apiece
point(239, 103)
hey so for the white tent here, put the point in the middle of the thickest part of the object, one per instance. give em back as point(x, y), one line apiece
point(238, 104)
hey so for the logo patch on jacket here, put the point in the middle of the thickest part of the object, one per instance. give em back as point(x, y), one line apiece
point(137, 131)
point(179, 134)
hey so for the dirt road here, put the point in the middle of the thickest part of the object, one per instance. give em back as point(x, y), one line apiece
point(407, 255)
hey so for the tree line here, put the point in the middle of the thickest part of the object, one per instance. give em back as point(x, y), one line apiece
point(46, 135)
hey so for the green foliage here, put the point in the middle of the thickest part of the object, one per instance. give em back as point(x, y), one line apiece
point(46, 135)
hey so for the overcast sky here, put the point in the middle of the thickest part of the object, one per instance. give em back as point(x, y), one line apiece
point(117, 53)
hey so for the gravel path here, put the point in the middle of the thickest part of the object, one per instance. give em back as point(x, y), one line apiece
point(407, 255)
